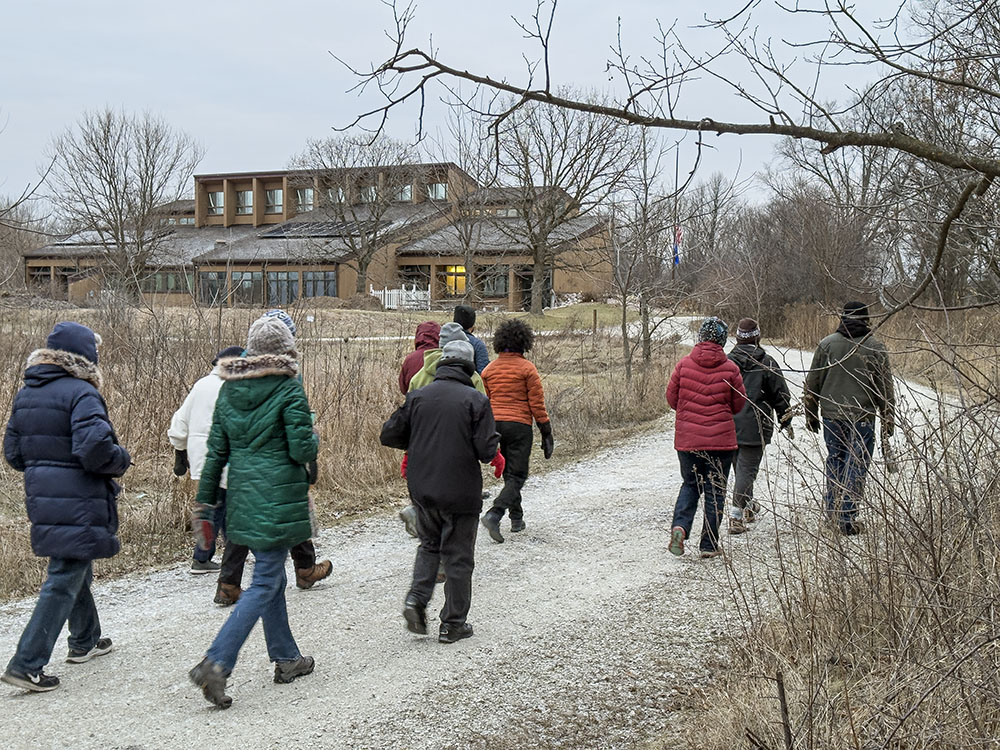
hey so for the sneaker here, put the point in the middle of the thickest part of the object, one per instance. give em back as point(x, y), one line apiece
point(211, 678)
point(676, 546)
point(750, 514)
point(517, 524)
point(737, 525)
point(286, 671)
point(199, 568)
point(453, 633)
point(416, 617)
point(35, 682)
point(491, 522)
point(227, 594)
point(707, 554)
point(77, 656)
point(408, 516)
point(306, 578)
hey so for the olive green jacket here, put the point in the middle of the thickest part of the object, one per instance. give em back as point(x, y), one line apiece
point(425, 375)
point(263, 429)
point(850, 379)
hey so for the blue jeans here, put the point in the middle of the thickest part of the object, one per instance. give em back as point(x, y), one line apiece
point(703, 472)
point(849, 447)
point(65, 596)
point(264, 601)
point(219, 522)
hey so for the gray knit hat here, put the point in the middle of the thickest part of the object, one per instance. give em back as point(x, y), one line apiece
point(715, 330)
point(460, 352)
point(269, 336)
point(451, 332)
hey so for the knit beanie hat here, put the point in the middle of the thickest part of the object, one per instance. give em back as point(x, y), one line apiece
point(747, 331)
point(715, 330)
point(451, 332)
point(74, 338)
point(856, 310)
point(465, 316)
point(270, 336)
point(283, 317)
point(458, 352)
point(229, 351)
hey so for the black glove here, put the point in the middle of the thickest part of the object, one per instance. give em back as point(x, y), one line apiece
point(180, 463)
point(548, 444)
point(812, 423)
point(312, 472)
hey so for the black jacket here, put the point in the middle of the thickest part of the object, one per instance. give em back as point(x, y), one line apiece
point(447, 427)
point(767, 393)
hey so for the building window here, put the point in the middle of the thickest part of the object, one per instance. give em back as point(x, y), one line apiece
point(304, 200)
point(274, 201)
point(319, 283)
point(368, 194)
point(335, 195)
point(495, 281)
point(508, 213)
point(215, 203)
point(248, 288)
point(187, 221)
point(453, 279)
point(419, 276)
point(283, 287)
point(437, 191)
point(212, 287)
point(168, 282)
point(405, 194)
point(244, 202)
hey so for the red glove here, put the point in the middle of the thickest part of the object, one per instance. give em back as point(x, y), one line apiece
point(204, 533)
point(498, 463)
point(402, 466)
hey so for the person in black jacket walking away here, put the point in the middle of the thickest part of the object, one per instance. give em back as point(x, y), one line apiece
point(448, 429)
point(60, 436)
point(767, 395)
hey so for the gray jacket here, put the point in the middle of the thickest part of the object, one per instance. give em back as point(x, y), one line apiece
point(850, 380)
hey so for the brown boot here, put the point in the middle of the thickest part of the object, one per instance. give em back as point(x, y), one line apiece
point(306, 577)
point(226, 594)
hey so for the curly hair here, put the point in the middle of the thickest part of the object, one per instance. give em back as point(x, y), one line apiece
point(513, 336)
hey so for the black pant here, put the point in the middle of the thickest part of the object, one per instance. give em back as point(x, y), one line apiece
point(448, 538)
point(748, 459)
point(515, 444)
point(234, 557)
point(702, 472)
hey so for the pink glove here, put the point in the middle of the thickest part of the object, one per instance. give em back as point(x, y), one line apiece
point(402, 466)
point(498, 463)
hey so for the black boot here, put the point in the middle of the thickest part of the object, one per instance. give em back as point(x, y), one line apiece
point(491, 522)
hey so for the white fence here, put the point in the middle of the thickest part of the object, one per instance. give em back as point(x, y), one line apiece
point(407, 298)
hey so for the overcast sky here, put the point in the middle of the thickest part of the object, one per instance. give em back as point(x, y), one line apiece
point(252, 80)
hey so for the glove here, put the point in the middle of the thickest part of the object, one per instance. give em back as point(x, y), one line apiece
point(812, 423)
point(402, 466)
point(180, 463)
point(548, 444)
point(312, 472)
point(203, 528)
point(498, 463)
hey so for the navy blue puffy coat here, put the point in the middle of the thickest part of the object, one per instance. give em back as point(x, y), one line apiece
point(60, 436)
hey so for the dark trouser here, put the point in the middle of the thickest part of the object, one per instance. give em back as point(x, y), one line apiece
point(65, 596)
point(515, 444)
point(219, 522)
point(748, 458)
point(234, 557)
point(448, 538)
point(703, 472)
point(849, 448)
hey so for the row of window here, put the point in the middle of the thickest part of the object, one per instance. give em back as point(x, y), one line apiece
point(305, 198)
point(270, 288)
point(494, 280)
point(184, 221)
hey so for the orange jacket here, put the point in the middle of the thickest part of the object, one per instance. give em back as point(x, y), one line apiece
point(515, 390)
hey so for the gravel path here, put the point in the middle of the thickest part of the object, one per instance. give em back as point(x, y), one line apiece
point(588, 634)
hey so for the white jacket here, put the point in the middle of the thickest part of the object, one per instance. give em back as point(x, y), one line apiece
point(191, 423)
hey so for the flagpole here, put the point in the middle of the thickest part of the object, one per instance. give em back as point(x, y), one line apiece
point(676, 249)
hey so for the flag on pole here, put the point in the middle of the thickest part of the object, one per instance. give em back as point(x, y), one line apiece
point(677, 244)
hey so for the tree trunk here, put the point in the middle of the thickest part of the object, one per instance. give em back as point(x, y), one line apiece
point(361, 287)
point(537, 286)
point(647, 343)
point(626, 343)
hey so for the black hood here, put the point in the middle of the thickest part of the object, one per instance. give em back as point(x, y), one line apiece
point(460, 371)
point(747, 356)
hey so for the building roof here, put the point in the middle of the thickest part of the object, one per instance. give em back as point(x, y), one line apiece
point(293, 173)
point(493, 236)
point(511, 196)
point(183, 206)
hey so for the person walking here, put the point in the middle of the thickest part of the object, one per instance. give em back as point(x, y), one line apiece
point(518, 399)
point(188, 434)
point(426, 338)
point(263, 430)
point(465, 316)
point(448, 429)
point(850, 383)
point(706, 390)
point(767, 395)
point(60, 436)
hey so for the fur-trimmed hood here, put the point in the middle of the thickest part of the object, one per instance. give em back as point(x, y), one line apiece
point(258, 366)
point(74, 364)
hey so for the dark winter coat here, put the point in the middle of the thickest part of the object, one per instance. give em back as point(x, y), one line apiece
point(482, 355)
point(448, 429)
point(263, 429)
point(706, 390)
point(767, 394)
point(850, 379)
point(426, 338)
point(60, 436)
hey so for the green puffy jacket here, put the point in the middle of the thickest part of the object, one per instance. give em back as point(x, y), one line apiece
point(263, 429)
point(850, 379)
point(425, 375)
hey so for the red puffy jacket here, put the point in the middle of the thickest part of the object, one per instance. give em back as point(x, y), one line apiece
point(426, 338)
point(706, 390)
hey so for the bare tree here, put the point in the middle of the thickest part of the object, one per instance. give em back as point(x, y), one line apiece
point(111, 173)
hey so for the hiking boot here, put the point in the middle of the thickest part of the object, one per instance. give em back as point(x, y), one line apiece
point(452, 633)
point(751, 512)
point(76, 656)
point(416, 617)
point(707, 554)
point(226, 594)
point(286, 671)
point(199, 568)
point(408, 516)
point(306, 578)
point(737, 525)
point(676, 546)
point(491, 522)
point(211, 678)
point(35, 682)
point(517, 524)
